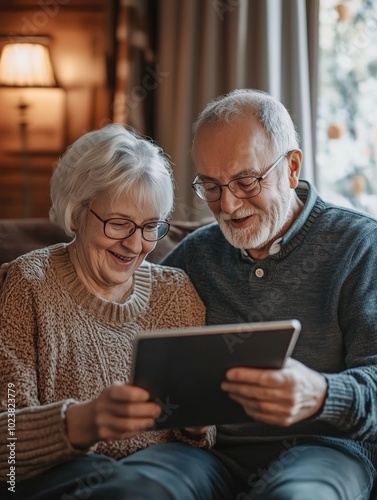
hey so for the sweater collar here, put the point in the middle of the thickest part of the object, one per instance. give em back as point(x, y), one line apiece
point(101, 308)
point(284, 244)
point(308, 195)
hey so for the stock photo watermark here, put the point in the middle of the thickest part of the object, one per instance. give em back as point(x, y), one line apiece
point(361, 37)
point(124, 103)
point(168, 408)
point(11, 438)
point(86, 485)
point(223, 6)
point(31, 26)
point(259, 480)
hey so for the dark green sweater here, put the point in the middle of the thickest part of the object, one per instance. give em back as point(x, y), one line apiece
point(325, 275)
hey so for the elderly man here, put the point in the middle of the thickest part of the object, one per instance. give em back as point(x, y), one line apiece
point(278, 251)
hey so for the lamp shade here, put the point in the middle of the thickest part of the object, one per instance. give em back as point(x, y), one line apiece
point(26, 65)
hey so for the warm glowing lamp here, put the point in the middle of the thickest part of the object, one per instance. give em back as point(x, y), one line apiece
point(26, 65)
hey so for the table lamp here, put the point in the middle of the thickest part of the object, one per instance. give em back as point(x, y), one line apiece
point(22, 65)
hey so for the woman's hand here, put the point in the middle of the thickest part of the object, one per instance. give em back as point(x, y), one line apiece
point(121, 411)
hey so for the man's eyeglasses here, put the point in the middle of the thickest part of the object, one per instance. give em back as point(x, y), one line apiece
point(241, 187)
point(121, 229)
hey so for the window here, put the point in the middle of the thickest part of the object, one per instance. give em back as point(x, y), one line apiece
point(347, 105)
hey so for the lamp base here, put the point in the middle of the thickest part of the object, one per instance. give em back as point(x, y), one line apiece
point(26, 185)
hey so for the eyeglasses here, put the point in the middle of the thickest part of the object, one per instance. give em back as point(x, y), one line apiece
point(121, 229)
point(241, 187)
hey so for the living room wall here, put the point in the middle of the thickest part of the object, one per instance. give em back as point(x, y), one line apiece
point(79, 37)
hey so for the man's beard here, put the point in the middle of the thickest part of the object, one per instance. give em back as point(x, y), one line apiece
point(263, 228)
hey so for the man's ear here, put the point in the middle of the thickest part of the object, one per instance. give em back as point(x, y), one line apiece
point(294, 162)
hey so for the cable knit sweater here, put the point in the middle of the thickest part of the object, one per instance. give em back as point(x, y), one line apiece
point(60, 344)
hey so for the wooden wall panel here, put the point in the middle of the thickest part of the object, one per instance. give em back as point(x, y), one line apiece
point(78, 34)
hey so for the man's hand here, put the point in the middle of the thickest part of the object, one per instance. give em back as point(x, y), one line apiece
point(281, 397)
point(3, 272)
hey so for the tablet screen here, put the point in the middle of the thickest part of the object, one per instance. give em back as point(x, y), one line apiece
point(183, 369)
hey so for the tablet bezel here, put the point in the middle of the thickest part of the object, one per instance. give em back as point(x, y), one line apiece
point(163, 385)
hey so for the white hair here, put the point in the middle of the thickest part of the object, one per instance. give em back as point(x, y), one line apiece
point(113, 160)
point(271, 113)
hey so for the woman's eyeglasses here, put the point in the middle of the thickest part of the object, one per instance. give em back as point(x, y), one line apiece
point(121, 229)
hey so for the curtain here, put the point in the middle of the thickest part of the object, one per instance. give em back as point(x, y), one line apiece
point(134, 68)
point(205, 48)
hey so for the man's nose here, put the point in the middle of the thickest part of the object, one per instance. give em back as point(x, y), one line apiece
point(228, 202)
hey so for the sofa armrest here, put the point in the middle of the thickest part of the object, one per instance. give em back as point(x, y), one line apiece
point(19, 236)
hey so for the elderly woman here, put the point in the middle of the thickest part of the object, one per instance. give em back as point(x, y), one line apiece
point(71, 426)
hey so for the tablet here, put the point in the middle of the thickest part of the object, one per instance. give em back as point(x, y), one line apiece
point(183, 368)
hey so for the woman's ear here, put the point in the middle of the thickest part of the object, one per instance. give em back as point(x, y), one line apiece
point(294, 162)
point(75, 223)
point(77, 219)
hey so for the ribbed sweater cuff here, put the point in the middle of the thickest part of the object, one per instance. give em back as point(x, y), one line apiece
point(40, 439)
point(206, 440)
point(339, 401)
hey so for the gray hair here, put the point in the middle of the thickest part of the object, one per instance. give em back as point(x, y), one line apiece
point(271, 113)
point(113, 160)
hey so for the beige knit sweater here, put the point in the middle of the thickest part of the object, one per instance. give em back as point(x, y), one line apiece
point(61, 343)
